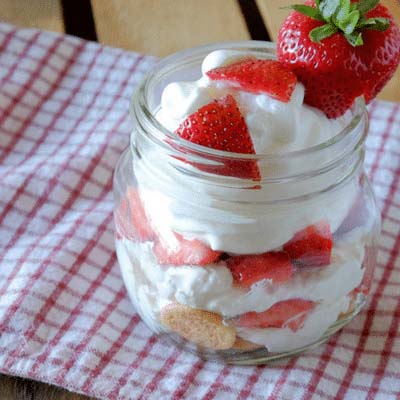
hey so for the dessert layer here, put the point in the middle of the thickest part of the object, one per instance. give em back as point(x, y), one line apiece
point(274, 126)
point(152, 287)
point(237, 220)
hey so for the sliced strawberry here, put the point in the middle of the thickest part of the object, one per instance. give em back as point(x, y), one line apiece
point(185, 252)
point(131, 220)
point(220, 125)
point(288, 313)
point(249, 269)
point(312, 246)
point(257, 76)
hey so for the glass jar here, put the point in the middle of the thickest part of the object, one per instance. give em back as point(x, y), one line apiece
point(191, 239)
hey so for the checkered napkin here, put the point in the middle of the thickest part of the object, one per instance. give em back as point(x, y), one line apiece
point(65, 317)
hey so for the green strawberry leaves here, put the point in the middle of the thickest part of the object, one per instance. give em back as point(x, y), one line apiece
point(378, 24)
point(366, 5)
point(344, 11)
point(355, 39)
point(349, 22)
point(344, 16)
point(311, 12)
point(329, 8)
point(322, 32)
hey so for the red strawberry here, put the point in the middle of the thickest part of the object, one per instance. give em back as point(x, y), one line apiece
point(220, 125)
point(378, 63)
point(185, 252)
point(131, 220)
point(288, 313)
point(254, 75)
point(312, 246)
point(249, 269)
point(339, 51)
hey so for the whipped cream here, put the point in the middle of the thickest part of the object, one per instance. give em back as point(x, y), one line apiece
point(246, 228)
point(211, 213)
point(274, 126)
point(152, 287)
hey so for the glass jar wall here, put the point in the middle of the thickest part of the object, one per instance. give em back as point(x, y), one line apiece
point(234, 268)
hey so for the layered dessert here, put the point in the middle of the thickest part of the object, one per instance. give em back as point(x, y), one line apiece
point(268, 251)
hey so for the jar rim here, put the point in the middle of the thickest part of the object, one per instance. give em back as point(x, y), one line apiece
point(166, 138)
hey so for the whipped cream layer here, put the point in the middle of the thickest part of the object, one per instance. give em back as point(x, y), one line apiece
point(274, 126)
point(152, 287)
point(225, 218)
point(233, 220)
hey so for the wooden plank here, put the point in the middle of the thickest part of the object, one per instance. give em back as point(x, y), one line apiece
point(43, 14)
point(394, 7)
point(12, 388)
point(6, 387)
point(274, 15)
point(162, 27)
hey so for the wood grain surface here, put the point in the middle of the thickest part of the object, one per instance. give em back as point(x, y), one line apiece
point(43, 14)
point(158, 27)
point(162, 27)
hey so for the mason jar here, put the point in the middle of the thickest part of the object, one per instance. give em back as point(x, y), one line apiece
point(191, 239)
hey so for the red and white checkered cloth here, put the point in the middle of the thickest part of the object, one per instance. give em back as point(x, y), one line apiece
point(65, 317)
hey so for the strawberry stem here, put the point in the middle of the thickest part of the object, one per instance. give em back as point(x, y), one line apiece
point(342, 16)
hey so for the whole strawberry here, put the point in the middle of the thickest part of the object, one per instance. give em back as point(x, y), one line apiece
point(339, 50)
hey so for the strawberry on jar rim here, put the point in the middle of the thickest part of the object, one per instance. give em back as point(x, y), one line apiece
point(258, 76)
point(339, 50)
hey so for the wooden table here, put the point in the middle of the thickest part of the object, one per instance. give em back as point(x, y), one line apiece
point(157, 27)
